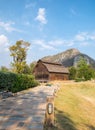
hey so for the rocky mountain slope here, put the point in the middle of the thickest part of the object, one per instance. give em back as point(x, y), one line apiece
point(70, 58)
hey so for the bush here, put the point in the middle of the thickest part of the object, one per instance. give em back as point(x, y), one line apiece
point(73, 72)
point(79, 79)
point(16, 82)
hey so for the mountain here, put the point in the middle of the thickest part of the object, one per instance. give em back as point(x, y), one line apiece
point(70, 58)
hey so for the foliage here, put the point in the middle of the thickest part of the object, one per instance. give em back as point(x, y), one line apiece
point(72, 71)
point(82, 72)
point(19, 53)
point(4, 69)
point(79, 79)
point(27, 69)
point(32, 65)
point(16, 82)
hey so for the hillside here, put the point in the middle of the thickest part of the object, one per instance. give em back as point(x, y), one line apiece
point(70, 58)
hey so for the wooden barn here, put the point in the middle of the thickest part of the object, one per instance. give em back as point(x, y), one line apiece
point(47, 71)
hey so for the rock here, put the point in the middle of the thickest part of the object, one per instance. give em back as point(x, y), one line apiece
point(70, 58)
point(6, 94)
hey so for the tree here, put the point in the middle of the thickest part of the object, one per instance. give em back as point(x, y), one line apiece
point(73, 72)
point(32, 65)
point(19, 53)
point(84, 71)
point(27, 69)
point(4, 69)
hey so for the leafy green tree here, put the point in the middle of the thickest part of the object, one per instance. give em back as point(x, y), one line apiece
point(91, 73)
point(73, 72)
point(4, 69)
point(27, 69)
point(19, 53)
point(32, 65)
point(84, 71)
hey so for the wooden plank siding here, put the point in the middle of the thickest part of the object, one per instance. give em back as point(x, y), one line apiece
point(57, 76)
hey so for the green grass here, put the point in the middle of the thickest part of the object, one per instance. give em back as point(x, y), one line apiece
point(75, 106)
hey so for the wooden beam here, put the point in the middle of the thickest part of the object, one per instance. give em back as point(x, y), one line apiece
point(49, 117)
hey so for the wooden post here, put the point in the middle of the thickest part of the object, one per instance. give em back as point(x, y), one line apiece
point(49, 121)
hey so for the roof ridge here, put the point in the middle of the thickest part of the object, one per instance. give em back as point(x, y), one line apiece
point(48, 62)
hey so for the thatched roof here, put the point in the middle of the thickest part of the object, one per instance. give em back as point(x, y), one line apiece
point(54, 67)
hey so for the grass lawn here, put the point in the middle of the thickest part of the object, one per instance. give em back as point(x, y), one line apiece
point(75, 106)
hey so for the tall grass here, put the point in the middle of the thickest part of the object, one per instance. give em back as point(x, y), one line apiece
point(75, 106)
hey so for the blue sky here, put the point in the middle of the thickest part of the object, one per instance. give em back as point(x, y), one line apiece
point(51, 26)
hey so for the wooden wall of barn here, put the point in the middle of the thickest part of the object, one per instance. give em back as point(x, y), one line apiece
point(58, 76)
point(41, 72)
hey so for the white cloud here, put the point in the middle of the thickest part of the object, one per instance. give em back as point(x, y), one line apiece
point(8, 26)
point(29, 5)
point(92, 37)
point(53, 44)
point(80, 39)
point(43, 44)
point(41, 17)
point(81, 36)
point(3, 40)
point(84, 36)
point(4, 43)
point(61, 42)
point(69, 43)
point(57, 42)
point(84, 44)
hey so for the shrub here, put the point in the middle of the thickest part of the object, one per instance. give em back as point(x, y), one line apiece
point(79, 79)
point(73, 72)
point(16, 82)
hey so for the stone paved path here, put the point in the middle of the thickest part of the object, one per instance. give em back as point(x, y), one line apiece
point(25, 111)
